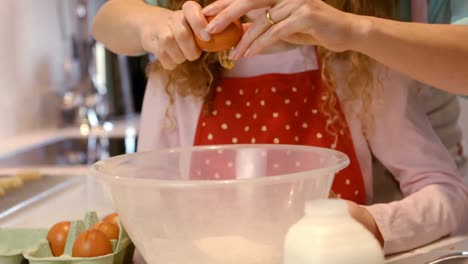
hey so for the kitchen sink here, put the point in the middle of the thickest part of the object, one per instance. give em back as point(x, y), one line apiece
point(62, 152)
point(70, 151)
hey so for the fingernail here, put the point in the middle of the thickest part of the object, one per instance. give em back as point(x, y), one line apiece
point(205, 36)
point(233, 54)
point(212, 26)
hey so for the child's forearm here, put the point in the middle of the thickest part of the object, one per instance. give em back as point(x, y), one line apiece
point(434, 54)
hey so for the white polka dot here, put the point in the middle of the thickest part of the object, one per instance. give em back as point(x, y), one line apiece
point(234, 140)
point(319, 135)
point(296, 138)
point(220, 151)
point(338, 195)
point(263, 154)
point(276, 141)
point(356, 192)
point(203, 124)
point(329, 121)
point(314, 111)
point(247, 104)
point(275, 115)
point(287, 127)
point(230, 164)
point(238, 116)
point(256, 91)
point(305, 100)
point(262, 102)
point(296, 114)
point(210, 136)
point(241, 92)
point(341, 132)
point(254, 116)
point(219, 89)
point(294, 89)
point(264, 128)
point(216, 175)
point(273, 89)
point(198, 172)
point(305, 125)
point(253, 140)
point(348, 182)
point(288, 153)
point(224, 126)
point(214, 112)
point(324, 98)
point(276, 165)
point(298, 163)
point(228, 103)
point(333, 146)
point(207, 161)
point(246, 129)
point(287, 101)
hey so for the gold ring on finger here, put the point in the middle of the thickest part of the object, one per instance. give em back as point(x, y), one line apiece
point(268, 16)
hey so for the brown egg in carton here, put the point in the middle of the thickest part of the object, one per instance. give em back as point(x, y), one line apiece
point(19, 246)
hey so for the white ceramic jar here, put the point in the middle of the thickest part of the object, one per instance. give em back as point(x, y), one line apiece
point(327, 234)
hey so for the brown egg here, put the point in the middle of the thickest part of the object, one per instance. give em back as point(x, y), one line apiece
point(224, 40)
point(57, 237)
point(111, 229)
point(112, 218)
point(91, 243)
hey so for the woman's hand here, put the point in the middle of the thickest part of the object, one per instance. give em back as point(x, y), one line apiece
point(169, 35)
point(310, 22)
point(362, 215)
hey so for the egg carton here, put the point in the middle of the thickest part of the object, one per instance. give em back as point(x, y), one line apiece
point(21, 246)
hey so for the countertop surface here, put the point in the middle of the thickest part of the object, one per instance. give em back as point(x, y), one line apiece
point(72, 201)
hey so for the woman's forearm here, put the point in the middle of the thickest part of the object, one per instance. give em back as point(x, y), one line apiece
point(117, 25)
point(434, 54)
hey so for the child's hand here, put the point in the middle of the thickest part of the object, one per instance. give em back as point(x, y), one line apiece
point(363, 216)
point(169, 36)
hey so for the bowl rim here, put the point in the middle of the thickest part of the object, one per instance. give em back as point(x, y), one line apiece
point(99, 168)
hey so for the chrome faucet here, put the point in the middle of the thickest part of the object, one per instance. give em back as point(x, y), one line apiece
point(81, 103)
point(104, 88)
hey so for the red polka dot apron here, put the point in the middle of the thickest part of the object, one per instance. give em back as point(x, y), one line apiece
point(279, 109)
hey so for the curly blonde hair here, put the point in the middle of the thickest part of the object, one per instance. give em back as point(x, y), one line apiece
point(360, 80)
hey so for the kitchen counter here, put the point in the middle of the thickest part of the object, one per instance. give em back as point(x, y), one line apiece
point(72, 201)
point(67, 204)
point(432, 251)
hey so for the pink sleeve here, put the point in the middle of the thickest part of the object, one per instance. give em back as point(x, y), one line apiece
point(436, 202)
